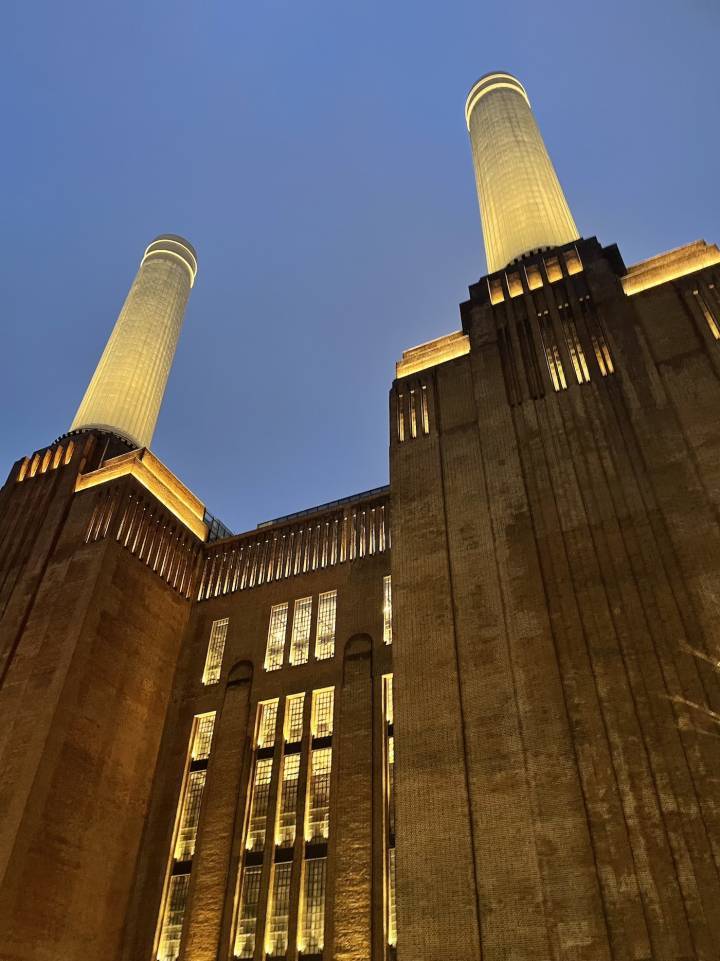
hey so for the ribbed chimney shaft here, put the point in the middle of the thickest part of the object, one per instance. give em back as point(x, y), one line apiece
point(127, 388)
point(522, 204)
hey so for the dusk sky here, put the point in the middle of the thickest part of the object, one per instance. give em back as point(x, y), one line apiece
point(316, 155)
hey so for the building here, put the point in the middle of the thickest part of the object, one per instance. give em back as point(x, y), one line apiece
point(198, 729)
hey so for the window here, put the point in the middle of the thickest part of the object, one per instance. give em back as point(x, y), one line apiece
point(710, 319)
point(300, 644)
point(325, 636)
point(215, 651)
point(312, 910)
point(257, 821)
point(387, 610)
point(318, 811)
point(392, 911)
point(187, 830)
point(390, 918)
point(294, 706)
point(174, 913)
point(287, 810)
point(276, 637)
point(202, 736)
point(266, 723)
point(248, 912)
point(321, 723)
point(279, 912)
point(424, 410)
point(183, 848)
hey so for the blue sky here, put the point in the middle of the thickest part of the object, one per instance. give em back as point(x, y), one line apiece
point(316, 155)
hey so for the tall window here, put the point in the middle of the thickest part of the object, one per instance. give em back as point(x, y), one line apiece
point(388, 718)
point(325, 636)
point(294, 706)
point(300, 644)
point(276, 637)
point(387, 610)
point(188, 813)
point(287, 808)
point(321, 722)
point(312, 910)
point(266, 723)
point(248, 912)
point(215, 651)
point(318, 809)
point(279, 913)
point(257, 821)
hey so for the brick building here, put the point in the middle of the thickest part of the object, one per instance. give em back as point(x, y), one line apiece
point(198, 729)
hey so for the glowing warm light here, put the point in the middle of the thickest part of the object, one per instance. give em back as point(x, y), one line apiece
point(155, 478)
point(432, 353)
point(522, 205)
point(669, 266)
point(215, 651)
point(126, 390)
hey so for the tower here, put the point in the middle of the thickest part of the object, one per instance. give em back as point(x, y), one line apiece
point(126, 390)
point(522, 204)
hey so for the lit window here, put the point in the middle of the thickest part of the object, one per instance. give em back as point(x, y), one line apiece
point(388, 698)
point(413, 414)
point(287, 811)
point(276, 637)
point(392, 911)
point(323, 702)
point(202, 736)
point(552, 353)
point(312, 921)
point(325, 635)
point(391, 783)
point(401, 417)
point(215, 651)
point(266, 723)
point(257, 822)
point(248, 913)
point(183, 848)
point(318, 811)
point(190, 814)
point(572, 341)
point(279, 913)
point(387, 610)
point(300, 644)
point(294, 706)
point(424, 410)
point(174, 913)
point(710, 319)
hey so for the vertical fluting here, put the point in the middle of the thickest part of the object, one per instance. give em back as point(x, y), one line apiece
point(126, 390)
point(522, 204)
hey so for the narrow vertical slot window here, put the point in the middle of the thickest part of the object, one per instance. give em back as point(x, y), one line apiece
point(318, 809)
point(248, 912)
point(183, 847)
point(401, 417)
point(312, 913)
point(287, 811)
point(392, 910)
point(293, 727)
point(174, 914)
point(325, 634)
point(387, 610)
point(321, 722)
point(215, 651)
point(266, 723)
point(572, 341)
point(389, 781)
point(425, 417)
point(300, 643)
point(187, 829)
point(276, 637)
point(710, 319)
point(279, 912)
point(552, 354)
point(257, 820)
point(413, 413)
